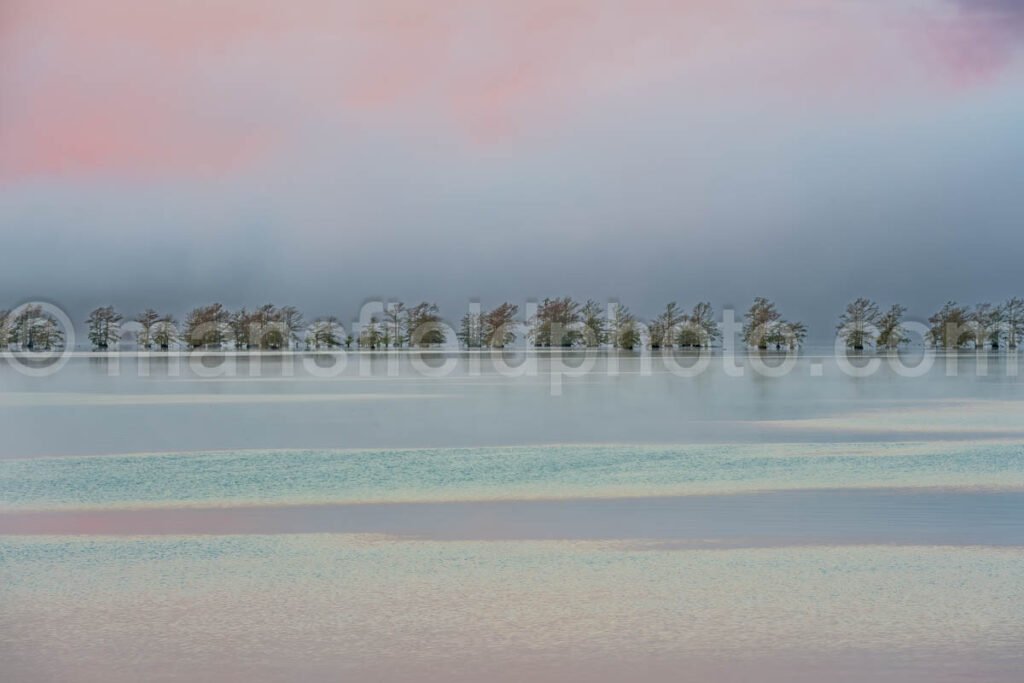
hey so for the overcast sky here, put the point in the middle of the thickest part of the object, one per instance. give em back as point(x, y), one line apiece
point(322, 152)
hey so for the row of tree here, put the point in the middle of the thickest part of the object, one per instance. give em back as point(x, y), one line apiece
point(267, 328)
point(31, 328)
point(558, 323)
point(565, 323)
point(953, 327)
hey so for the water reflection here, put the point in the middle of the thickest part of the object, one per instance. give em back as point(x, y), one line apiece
point(480, 401)
point(873, 526)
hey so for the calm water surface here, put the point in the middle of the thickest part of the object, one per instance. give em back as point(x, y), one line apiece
point(212, 522)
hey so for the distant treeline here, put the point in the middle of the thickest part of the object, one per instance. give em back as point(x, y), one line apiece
point(557, 323)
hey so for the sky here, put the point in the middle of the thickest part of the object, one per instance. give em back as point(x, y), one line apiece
point(325, 152)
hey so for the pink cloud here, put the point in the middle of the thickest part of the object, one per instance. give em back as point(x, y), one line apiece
point(73, 130)
point(979, 38)
point(185, 87)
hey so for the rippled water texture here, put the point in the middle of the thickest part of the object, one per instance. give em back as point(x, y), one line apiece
point(268, 608)
point(189, 525)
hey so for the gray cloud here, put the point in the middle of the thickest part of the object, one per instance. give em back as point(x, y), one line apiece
point(916, 201)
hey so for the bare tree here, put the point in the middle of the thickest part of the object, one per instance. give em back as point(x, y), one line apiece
point(33, 329)
point(499, 326)
point(765, 327)
point(699, 329)
point(207, 326)
point(165, 332)
point(104, 326)
point(890, 328)
point(593, 325)
point(370, 336)
point(324, 333)
point(470, 332)
point(857, 323)
point(242, 323)
point(1013, 321)
point(791, 334)
point(394, 319)
point(761, 321)
point(5, 330)
point(665, 328)
point(424, 326)
point(146, 320)
point(556, 323)
point(987, 323)
point(951, 327)
point(625, 332)
point(291, 318)
point(267, 328)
